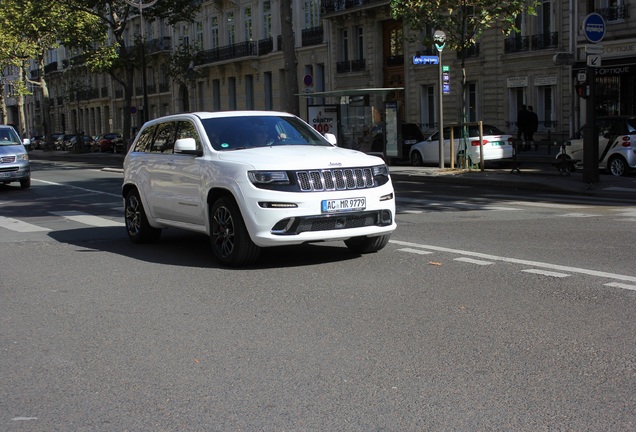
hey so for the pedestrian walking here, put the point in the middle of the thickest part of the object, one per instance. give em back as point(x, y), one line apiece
point(533, 125)
point(523, 122)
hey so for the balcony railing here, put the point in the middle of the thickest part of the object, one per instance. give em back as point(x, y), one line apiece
point(158, 45)
point(330, 6)
point(614, 13)
point(228, 52)
point(531, 43)
point(351, 66)
point(265, 46)
point(312, 36)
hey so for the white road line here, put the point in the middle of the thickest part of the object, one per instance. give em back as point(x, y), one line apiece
point(620, 285)
point(547, 205)
point(77, 187)
point(19, 226)
point(579, 215)
point(545, 273)
point(417, 251)
point(474, 261)
point(520, 261)
point(87, 219)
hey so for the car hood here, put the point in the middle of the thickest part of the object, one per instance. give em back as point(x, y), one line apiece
point(287, 157)
point(12, 149)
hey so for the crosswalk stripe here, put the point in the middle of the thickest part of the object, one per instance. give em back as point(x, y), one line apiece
point(87, 219)
point(19, 226)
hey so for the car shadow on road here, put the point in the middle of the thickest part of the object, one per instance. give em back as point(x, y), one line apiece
point(186, 249)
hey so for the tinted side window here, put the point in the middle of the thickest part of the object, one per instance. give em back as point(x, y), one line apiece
point(186, 129)
point(145, 138)
point(164, 138)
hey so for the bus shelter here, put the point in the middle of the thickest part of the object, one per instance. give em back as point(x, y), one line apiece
point(367, 119)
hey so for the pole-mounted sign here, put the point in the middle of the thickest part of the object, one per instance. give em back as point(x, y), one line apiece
point(440, 40)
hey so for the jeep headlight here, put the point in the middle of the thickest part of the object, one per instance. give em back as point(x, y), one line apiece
point(380, 170)
point(268, 177)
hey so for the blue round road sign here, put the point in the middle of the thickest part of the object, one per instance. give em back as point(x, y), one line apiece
point(594, 27)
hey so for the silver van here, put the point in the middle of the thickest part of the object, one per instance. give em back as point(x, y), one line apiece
point(14, 158)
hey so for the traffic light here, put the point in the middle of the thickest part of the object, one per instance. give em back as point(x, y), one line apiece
point(582, 90)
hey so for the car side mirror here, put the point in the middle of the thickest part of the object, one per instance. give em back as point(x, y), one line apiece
point(331, 138)
point(187, 146)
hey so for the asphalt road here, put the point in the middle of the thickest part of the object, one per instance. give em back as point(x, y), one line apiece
point(489, 310)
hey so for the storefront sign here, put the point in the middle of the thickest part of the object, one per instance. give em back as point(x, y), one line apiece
point(545, 80)
point(518, 82)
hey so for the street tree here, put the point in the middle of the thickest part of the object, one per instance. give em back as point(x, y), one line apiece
point(463, 21)
point(40, 26)
point(121, 56)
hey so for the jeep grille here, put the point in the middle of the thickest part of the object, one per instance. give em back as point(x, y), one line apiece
point(335, 179)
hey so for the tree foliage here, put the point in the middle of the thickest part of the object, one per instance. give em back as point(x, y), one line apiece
point(463, 21)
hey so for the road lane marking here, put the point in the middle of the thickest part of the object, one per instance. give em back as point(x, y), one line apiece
point(77, 187)
point(417, 251)
point(19, 226)
point(87, 219)
point(545, 273)
point(520, 261)
point(473, 261)
point(620, 285)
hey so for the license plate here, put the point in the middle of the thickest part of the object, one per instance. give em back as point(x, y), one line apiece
point(344, 204)
point(6, 174)
point(497, 143)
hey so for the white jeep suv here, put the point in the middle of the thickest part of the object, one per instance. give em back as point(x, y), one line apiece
point(253, 179)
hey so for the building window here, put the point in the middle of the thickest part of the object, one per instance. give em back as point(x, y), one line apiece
point(360, 43)
point(184, 35)
point(267, 20)
point(545, 106)
point(247, 22)
point(231, 89)
point(249, 92)
point(231, 37)
point(471, 102)
point(214, 32)
point(344, 45)
point(216, 95)
point(267, 87)
point(312, 13)
point(396, 47)
point(198, 35)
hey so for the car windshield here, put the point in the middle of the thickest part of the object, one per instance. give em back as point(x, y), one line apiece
point(237, 133)
point(9, 137)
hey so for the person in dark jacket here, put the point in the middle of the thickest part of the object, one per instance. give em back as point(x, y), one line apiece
point(523, 122)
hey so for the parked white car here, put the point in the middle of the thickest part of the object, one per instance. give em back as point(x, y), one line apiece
point(496, 145)
point(616, 144)
point(253, 179)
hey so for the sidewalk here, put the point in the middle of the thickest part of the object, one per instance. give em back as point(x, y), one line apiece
point(531, 177)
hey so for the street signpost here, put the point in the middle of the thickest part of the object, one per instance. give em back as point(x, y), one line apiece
point(594, 29)
point(440, 40)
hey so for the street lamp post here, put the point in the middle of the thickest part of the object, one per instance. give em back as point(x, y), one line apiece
point(141, 5)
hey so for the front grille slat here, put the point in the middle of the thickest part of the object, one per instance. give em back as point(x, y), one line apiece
point(7, 159)
point(335, 179)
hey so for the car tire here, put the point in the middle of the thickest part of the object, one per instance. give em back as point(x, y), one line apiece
point(617, 166)
point(231, 242)
point(137, 226)
point(365, 245)
point(416, 158)
point(26, 183)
